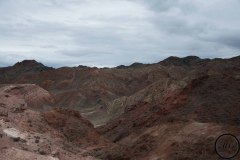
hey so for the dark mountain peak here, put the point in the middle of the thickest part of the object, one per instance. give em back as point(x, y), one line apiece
point(82, 66)
point(192, 58)
point(29, 63)
point(134, 65)
point(180, 61)
point(30, 66)
point(121, 67)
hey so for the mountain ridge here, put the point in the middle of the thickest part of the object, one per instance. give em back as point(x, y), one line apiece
point(28, 62)
point(174, 109)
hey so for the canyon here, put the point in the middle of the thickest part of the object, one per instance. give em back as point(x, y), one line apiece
point(174, 109)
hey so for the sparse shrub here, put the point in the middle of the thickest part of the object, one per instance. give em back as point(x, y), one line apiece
point(42, 152)
point(16, 139)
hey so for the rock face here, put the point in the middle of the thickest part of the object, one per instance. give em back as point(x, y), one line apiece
point(29, 130)
point(174, 109)
point(32, 96)
point(72, 127)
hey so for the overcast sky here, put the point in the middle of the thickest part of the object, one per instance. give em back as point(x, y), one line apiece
point(113, 32)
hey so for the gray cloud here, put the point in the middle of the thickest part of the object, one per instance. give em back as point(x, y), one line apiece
point(110, 33)
point(231, 41)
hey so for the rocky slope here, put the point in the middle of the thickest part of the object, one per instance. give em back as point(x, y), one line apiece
point(28, 130)
point(174, 109)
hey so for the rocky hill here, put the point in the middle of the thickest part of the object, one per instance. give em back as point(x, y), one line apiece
point(29, 131)
point(174, 109)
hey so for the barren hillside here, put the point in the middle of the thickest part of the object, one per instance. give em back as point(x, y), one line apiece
point(174, 109)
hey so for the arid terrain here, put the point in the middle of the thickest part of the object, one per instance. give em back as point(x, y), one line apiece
point(171, 110)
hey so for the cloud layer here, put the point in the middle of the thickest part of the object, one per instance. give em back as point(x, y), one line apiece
point(113, 32)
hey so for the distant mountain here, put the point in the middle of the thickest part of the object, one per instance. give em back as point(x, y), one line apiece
point(181, 61)
point(174, 109)
point(108, 91)
point(23, 68)
point(134, 65)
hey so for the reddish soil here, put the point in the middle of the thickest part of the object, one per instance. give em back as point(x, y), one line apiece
point(174, 109)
